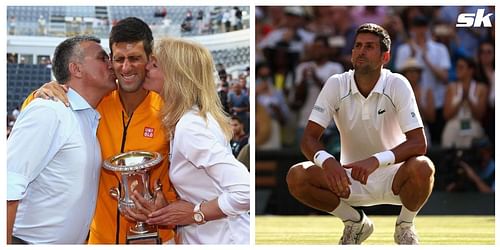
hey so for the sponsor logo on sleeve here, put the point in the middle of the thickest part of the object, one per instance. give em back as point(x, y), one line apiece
point(319, 109)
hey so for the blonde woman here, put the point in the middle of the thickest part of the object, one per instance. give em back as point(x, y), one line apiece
point(213, 187)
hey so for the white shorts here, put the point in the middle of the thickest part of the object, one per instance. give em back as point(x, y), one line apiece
point(378, 188)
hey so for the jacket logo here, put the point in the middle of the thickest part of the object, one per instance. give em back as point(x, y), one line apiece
point(381, 111)
point(149, 132)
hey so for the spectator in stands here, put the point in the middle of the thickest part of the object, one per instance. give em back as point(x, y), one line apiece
point(309, 79)
point(263, 130)
point(226, 20)
point(10, 123)
point(394, 26)
point(321, 24)
point(46, 61)
point(446, 34)
point(238, 18)
point(412, 70)
point(282, 65)
point(53, 153)
point(345, 30)
point(187, 24)
point(478, 175)
point(75, 26)
point(435, 61)
point(368, 14)
point(272, 107)
point(126, 113)
point(223, 91)
point(15, 112)
point(486, 70)
point(213, 186)
point(469, 38)
point(240, 137)
point(219, 67)
point(291, 36)
point(160, 12)
point(199, 21)
point(12, 25)
point(465, 106)
point(244, 83)
point(408, 14)
point(244, 156)
point(239, 104)
point(11, 58)
point(41, 26)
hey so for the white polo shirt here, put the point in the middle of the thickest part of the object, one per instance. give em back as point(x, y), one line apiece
point(367, 125)
point(53, 167)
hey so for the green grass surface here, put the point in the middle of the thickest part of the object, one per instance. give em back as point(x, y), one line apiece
point(432, 230)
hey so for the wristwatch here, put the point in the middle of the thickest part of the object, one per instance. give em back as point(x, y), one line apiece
point(198, 215)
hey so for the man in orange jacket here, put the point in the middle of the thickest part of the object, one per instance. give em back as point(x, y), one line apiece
point(130, 120)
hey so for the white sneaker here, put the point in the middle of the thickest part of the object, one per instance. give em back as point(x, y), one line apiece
point(355, 232)
point(405, 234)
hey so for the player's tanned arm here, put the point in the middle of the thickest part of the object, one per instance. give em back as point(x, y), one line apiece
point(415, 145)
point(334, 172)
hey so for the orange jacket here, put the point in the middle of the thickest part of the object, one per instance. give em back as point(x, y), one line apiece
point(145, 132)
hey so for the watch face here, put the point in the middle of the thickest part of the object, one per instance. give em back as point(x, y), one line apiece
point(198, 218)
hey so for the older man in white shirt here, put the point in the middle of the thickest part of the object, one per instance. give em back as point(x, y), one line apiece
point(54, 157)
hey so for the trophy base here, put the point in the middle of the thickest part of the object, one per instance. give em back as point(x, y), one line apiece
point(147, 235)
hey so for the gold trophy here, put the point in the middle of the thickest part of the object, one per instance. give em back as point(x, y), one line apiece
point(133, 167)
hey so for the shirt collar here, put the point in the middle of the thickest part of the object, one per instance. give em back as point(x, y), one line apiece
point(76, 101)
point(379, 86)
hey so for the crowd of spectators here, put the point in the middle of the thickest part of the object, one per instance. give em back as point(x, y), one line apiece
point(451, 69)
point(219, 19)
point(234, 94)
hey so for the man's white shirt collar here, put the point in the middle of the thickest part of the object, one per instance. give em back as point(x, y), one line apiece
point(379, 86)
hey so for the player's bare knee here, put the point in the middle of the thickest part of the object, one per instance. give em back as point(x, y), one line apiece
point(296, 179)
point(421, 168)
point(426, 168)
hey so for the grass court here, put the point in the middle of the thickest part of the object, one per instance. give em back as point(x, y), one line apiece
point(324, 229)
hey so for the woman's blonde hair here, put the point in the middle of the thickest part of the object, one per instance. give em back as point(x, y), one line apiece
point(189, 69)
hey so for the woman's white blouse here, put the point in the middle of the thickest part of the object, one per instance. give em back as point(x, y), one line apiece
point(203, 168)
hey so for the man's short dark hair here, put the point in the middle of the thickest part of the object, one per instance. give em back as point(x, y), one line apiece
point(323, 39)
point(385, 39)
point(468, 60)
point(420, 21)
point(236, 118)
point(66, 52)
point(132, 29)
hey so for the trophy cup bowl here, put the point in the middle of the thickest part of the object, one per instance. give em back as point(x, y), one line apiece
point(133, 168)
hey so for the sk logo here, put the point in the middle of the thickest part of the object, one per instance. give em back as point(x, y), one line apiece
point(478, 19)
point(381, 111)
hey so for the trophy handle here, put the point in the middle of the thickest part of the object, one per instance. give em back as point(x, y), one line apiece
point(115, 193)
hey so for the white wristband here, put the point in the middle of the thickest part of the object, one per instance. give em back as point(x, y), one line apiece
point(320, 157)
point(385, 158)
